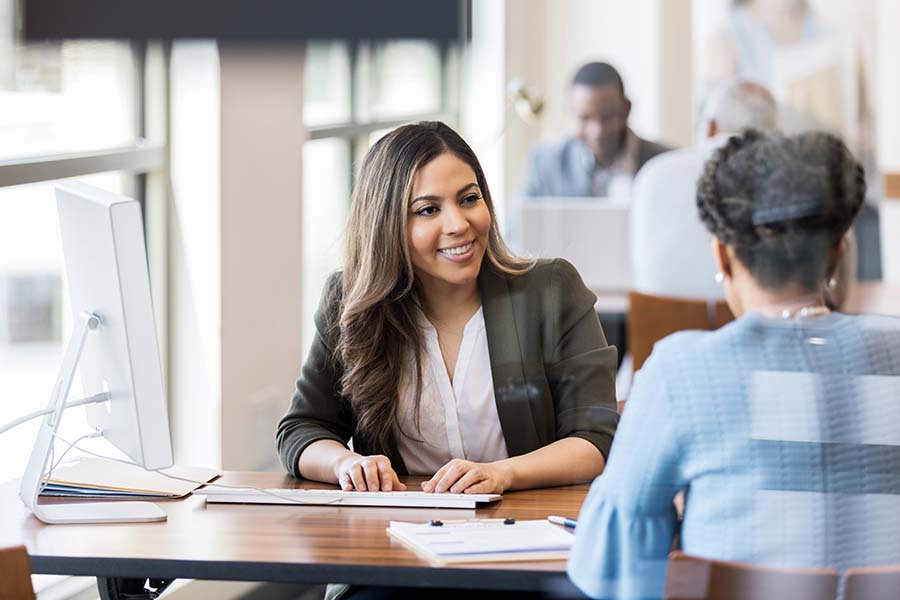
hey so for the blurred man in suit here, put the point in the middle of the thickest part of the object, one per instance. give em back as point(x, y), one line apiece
point(604, 154)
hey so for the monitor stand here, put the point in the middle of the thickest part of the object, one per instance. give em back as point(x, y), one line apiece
point(87, 512)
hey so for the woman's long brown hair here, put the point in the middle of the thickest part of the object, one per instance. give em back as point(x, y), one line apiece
point(379, 328)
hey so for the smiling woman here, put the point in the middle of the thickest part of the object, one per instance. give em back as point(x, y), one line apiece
point(438, 351)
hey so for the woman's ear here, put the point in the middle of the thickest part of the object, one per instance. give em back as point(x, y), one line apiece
point(720, 254)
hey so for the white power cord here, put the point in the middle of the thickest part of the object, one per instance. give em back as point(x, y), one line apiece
point(95, 399)
point(104, 397)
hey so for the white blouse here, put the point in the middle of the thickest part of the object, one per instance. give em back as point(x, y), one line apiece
point(457, 420)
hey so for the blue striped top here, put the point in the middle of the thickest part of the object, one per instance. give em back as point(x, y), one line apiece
point(784, 435)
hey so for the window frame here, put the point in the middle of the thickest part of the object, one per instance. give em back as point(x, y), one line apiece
point(355, 132)
point(145, 161)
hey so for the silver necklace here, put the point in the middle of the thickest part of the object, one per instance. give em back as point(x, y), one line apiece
point(806, 311)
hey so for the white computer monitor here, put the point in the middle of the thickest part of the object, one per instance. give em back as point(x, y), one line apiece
point(591, 233)
point(114, 346)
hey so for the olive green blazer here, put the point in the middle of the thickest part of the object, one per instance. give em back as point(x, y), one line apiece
point(553, 372)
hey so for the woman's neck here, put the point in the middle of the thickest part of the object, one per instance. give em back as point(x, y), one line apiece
point(448, 304)
point(789, 301)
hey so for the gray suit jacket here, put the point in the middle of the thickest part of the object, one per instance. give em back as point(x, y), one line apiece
point(553, 372)
point(563, 168)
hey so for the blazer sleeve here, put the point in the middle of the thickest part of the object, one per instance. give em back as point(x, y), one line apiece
point(579, 364)
point(317, 411)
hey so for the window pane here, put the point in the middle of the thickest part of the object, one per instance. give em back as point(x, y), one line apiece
point(35, 319)
point(400, 78)
point(326, 200)
point(377, 135)
point(326, 83)
point(65, 97)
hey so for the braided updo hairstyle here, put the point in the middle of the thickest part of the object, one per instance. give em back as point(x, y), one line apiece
point(782, 203)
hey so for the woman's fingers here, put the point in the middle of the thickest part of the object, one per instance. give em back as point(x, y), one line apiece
point(473, 476)
point(386, 475)
point(429, 485)
point(370, 468)
point(356, 477)
point(451, 475)
point(369, 474)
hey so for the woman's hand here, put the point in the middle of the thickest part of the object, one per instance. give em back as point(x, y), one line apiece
point(367, 473)
point(466, 477)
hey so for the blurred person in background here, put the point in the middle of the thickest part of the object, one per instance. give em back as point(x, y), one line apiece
point(666, 230)
point(780, 426)
point(604, 154)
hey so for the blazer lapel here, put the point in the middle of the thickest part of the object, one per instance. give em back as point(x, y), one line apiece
point(511, 389)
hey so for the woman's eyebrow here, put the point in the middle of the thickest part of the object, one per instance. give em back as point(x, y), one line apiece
point(433, 198)
point(466, 188)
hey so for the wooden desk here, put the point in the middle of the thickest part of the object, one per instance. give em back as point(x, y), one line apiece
point(308, 544)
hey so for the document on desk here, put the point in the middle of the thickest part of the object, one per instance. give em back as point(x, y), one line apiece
point(481, 541)
point(88, 477)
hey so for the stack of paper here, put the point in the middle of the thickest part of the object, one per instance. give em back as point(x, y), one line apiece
point(484, 541)
point(88, 477)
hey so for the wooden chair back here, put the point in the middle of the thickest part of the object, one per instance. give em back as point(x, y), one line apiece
point(15, 574)
point(692, 578)
point(872, 583)
point(651, 318)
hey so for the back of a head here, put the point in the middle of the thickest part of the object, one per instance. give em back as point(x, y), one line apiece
point(783, 203)
point(738, 105)
point(598, 74)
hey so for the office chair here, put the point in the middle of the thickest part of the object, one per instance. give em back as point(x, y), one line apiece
point(651, 318)
point(692, 578)
point(872, 583)
point(15, 574)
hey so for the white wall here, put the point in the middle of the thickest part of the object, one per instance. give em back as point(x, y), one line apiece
point(888, 85)
point(888, 112)
point(234, 249)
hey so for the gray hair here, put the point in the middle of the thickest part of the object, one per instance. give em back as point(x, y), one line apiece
point(737, 105)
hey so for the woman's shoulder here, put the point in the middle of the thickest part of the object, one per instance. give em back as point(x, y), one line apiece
point(697, 345)
point(557, 272)
point(334, 285)
point(328, 315)
point(551, 290)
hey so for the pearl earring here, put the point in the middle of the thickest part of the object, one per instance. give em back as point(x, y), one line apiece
point(720, 277)
point(832, 282)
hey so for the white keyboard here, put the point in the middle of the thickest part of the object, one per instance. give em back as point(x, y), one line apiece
point(342, 498)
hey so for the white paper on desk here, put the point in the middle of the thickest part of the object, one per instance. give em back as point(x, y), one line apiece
point(89, 476)
point(476, 541)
